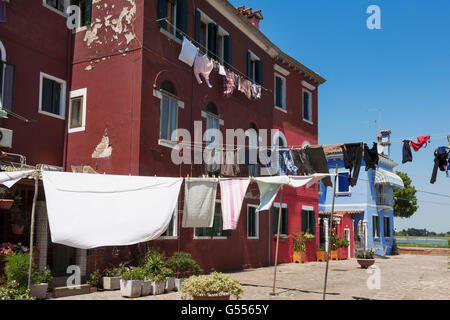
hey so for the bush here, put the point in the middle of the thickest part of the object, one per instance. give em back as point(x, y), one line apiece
point(95, 279)
point(448, 240)
point(182, 263)
point(213, 284)
point(16, 269)
point(43, 277)
point(153, 264)
point(134, 274)
point(14, 292)
point(365, 255)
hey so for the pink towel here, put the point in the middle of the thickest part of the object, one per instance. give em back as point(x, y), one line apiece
point(203, 66)
point(232, 192)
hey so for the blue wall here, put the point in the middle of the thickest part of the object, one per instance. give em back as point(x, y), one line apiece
point(363, 197)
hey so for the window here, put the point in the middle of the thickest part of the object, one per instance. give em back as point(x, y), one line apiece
point(384, 196)
point(7, 85)
point(77, 110)
point(216, 230)
point(343, 186)
point(169, 112)
point(52, 96)
point(254, 65)
point(280, 92)
point(171, 21)
point(309, 221)
point(307, 106)
point(387, 227)
point(172, 17)
point(284, 226)
point(252, 222)
point(376, 226)
point(212, 123)
point(171, 231)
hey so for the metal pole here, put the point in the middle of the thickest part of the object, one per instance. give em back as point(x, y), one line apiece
point(278, 241)
point(33, 210)
point(329, 233)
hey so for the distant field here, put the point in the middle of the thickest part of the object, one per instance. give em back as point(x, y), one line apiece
point(424, 242)
point(423, 245)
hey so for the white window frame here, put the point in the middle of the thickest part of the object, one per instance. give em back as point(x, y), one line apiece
point(78, 94)
point(283, 206)
point(175, 227)
point(63, 13)
point(275, 92)
point(256, 222)
point(221, 33)
point(253, 59)
point(62, 103)
point(349, 192)
point(210, 238)
point(159, 94)
point(310, 121)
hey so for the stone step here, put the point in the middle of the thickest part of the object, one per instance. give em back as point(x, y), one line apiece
point(61, 292)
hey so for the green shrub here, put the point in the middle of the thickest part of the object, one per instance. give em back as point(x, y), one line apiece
point(14, 292)
point(182, 263)
point(43, 277)
point(95, 279)
point(213, 284)
point(154, 264)
point(16, 269)
point(448, 240)
point(134, 274)
point(365, 255)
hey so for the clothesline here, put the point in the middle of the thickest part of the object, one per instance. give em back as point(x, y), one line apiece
point(217, 59)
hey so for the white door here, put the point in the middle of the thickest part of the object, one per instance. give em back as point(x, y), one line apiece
point(347, 237)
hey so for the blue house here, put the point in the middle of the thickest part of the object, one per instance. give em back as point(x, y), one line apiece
point(369, 203)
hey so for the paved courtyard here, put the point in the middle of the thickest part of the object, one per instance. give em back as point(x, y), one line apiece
point(410, 277)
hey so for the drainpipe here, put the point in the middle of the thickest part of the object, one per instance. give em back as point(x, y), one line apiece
point(69, 87)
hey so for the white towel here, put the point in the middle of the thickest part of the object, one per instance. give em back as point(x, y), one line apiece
point(11, 178)
point(199, 202)
point(232, 194)
point(188, 52)
point(94, 210)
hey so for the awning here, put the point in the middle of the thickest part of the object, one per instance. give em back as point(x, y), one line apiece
point(388, 178)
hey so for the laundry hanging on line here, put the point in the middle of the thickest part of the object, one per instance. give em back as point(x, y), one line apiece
point(199, 202)
point(352, 161)
point(203, 66)
point(87, 211)
point(319, 162)
point(371, 157)
point(422, 141)
point(9, 179)
point(441, 162)
point(232, 194)
point(188, 52)
point(406, 152)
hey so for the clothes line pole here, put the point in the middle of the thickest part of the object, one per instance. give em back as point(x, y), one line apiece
point(33, 210)
point(278, 242)
point(329, 234)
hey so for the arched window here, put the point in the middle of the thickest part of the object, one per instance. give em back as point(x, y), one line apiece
point(7, 81)
point(169, 111)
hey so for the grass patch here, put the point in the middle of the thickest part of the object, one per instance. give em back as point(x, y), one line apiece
point(423, 245)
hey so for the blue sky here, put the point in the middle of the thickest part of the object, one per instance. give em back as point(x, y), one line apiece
point(402, 69)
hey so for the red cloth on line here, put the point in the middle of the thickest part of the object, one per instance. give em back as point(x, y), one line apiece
point(421, 142)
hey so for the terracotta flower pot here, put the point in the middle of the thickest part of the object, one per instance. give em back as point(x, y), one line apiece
point(213, 297)
point(297, 257)
point(6, 204)
point(365, 263)
point(321, 256)
point(17, 229)
point(334, 255)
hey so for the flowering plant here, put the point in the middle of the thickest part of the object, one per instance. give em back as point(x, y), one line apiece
point(9, 248)
point(213, 284)
point(300, 240)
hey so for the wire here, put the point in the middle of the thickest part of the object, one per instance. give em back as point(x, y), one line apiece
point(217, 58)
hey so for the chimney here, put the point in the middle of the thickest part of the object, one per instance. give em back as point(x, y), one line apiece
point(253, 16)
point(384, 143)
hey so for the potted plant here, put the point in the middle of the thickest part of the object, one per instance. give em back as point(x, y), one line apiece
point(321, 254)
point(41, 283)
point(158, 283)
point(95, 280)
point(365, 259)
point(13, 291)
point(299, 246)
point(334, 242)
point(169, 278)
point(215, 286)
point(183, 266)
point(111, 279)
point(131, 283)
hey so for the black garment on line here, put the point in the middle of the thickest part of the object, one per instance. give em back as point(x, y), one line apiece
point(440, 162)
point(407, 153)
point(352, 161)
point(319, 162)
point(371, 157)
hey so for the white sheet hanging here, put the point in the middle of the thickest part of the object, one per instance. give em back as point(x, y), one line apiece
point(188, 52)
point(92, 210)
point(11, 178)
point(199, 202)
point(232, 194)
point(307, 181)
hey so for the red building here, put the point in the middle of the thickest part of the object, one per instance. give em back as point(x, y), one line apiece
point(124, 71)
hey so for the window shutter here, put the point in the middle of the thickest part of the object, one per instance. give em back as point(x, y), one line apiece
point(312, 222)
point(249, 64)
point(162, 13)
point(212, 40)
point(198, 23)
point(304, 220)
point(7, 86)
point(274, 220)
point(258, 72)
point(76, 3)
point(228, 56)
point(181, 17)
point(278, 92)
point(88, 13)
